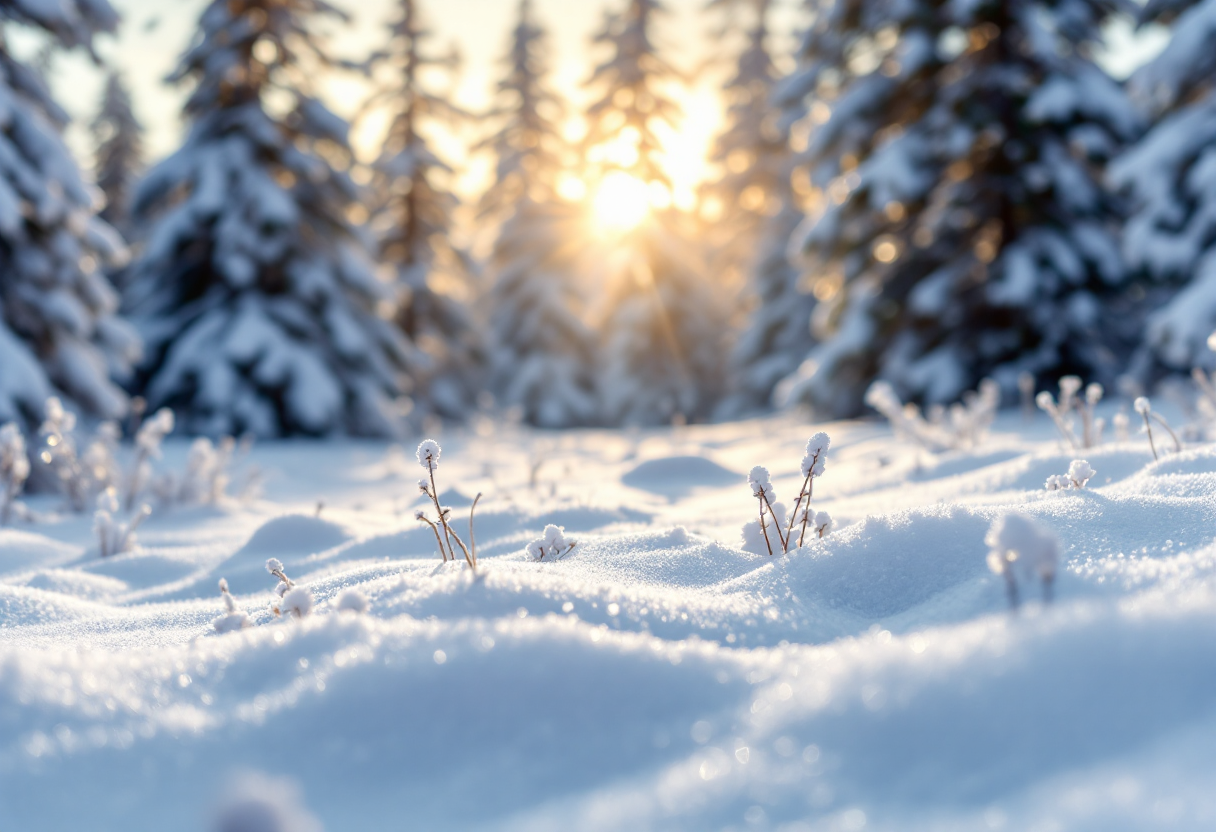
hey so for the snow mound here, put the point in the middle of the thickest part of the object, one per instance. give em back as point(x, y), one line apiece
point(676, 476)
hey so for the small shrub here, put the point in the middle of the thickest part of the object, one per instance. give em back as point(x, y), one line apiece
point(767, 528)
point(552, 544)
point(1079, 474)
point(1145, 408)
point(962, 425)
point(428, 457)
point(114, 537)
point(14, 469)
point(289, 599)
point(1019, 545)
point(1070, 402)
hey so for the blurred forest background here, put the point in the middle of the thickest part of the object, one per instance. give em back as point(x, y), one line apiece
point(287, 217)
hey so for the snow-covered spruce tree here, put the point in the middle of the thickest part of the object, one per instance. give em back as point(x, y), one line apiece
point(662, 329)
point(412, 219)
point(540, 356)
point(963, 229)
point(1169, 176)
point(254, 289)
point(760, 213)
point(119, 155)
point(59, 335)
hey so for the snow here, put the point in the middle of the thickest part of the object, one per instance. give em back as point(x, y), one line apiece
point(655, 677)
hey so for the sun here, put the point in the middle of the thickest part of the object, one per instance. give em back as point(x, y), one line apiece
point(621, 203)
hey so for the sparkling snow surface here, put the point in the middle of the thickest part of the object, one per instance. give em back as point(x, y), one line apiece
point(656, 678)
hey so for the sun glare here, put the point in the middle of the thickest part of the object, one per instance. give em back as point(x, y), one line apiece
point(622, 202)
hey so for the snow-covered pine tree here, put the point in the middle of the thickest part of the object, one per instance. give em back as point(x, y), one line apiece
point(59, 335)
point(760, 213)
point(254, 290)
point(119, 155)
point(1169, 176)
point(412, 219)
point(540, 348)
point(963, 230)
point(663, 326)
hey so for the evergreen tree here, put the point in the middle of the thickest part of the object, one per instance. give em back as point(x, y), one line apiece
point(540, 359)
point(59, 335)
point(963, 228)
point(760, 213)
point(662, 330)
point(119, 157)
point(254, 290)
point(1169, 176)
point(412, 219)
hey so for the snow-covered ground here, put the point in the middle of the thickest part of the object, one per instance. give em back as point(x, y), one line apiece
point(657, 678)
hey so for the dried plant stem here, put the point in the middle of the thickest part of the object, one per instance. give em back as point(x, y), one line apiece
point(278, 573)
point(806, 514)
point(1170, 431)
point(439, 541)
point(472, 537)
point(785, 543)
point(1148, 428)
point(447, 531)
point(764, 529)
point(802, 492)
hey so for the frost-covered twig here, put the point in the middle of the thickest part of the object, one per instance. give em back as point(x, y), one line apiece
point(115, 537)
point(428, 458)
point(292, 599)
point(762, 490)
point(148, 440)
point(1017, 543)
point(552, 544)
point(59, 453)
point(1079, 474)
point(1145, 409)
point(233, 618)
point(14, 468)
point(813, 463)
point(966, 426)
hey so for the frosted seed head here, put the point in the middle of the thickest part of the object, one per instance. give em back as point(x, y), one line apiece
point(274, 565)
point(823, 523)
point(1045, 400)
point(1069, 385)
point(554, 535)
point(758, 474)
point(420, 515)
point(1212, 341)
point(1094, 393)
point(1141, 405)
point(536, 549)
point(1080, 472)
point(428, 454)
point(223, 584)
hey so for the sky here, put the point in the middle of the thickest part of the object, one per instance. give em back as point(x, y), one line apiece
point(156, 32)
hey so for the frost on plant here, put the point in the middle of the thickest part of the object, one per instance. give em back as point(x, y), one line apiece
point(148, 440)
point(960, 426)
point(551, 545)
point(1145, 408)
point(773, 528)
point(1083, 406)
point(351, 600)
point(14, 468)
point(1079, 474)
point(289, 599)
point(233, 618)
point(1021, 549)
point(445, 536)
point(114, 537)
